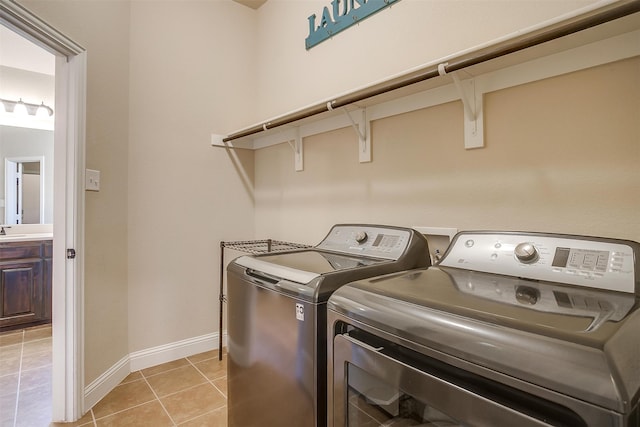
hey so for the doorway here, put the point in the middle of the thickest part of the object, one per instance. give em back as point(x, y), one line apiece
point(68, 206)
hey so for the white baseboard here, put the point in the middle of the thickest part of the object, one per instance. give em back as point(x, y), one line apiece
point(106, 382)
point(166, 353)
point(147, 358)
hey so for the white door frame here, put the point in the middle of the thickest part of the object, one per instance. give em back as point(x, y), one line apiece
point(68, 215)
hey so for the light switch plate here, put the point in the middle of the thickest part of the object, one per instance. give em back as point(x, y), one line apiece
point(92, 180)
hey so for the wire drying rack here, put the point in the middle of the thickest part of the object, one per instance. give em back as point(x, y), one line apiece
point(251, 247)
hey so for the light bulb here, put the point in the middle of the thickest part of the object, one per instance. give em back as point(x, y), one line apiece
point(42, 112)
point(20, 108)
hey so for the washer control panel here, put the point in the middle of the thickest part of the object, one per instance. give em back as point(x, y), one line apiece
point(367, 240)
point(576, 260)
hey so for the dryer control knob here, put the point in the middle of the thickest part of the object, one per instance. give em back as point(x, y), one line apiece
point(526, 253)
point(361, 237)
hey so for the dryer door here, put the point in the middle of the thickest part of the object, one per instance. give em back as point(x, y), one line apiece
point(379, 384)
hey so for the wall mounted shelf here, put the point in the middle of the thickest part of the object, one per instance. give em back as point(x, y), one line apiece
point(604, 34)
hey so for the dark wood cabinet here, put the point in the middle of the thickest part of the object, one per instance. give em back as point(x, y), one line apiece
point(25, 283)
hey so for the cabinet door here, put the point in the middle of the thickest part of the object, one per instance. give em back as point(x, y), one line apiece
point(21, 291)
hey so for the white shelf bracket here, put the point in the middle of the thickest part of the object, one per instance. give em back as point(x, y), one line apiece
point(472, 100)
point(298, 151)
point(362, 128)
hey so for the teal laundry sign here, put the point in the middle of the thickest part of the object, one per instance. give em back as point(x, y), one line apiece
point(340, 15)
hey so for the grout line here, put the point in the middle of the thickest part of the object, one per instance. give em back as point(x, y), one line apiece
point(207, 378)
point(185, 389)
point(93, 418)
point(15, 412)
point(162, 372)
point(122, 410)
point(158, 399)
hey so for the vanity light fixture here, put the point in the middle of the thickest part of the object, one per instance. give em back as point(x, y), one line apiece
point(25, 108)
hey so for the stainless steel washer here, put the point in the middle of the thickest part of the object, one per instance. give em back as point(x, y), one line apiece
point(509, 329)
point(277, 319)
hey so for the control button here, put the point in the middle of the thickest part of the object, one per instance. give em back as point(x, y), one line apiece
point(469, 243)
point(494, 255)
point(361, 237)
point(526, 253)
point(497, 245)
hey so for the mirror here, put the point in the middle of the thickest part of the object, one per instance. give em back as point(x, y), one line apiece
point(26, 181)
point(27, 72)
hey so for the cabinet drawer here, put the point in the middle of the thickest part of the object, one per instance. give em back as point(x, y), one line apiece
point(20, 250)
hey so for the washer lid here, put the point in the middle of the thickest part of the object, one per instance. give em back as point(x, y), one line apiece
point(303, 266)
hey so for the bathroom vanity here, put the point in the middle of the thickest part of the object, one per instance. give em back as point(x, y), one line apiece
point(25, 280)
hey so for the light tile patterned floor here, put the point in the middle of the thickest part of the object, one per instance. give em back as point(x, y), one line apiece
point(186, 392)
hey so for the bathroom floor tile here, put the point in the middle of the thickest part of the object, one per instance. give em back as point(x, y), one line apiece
point(35, 378)
point(37, 346)
point(10, 338)
point(9, 384)
point(7, 409)
point(37, 333)
point(10, 359)
point(36, 359)
point(34, 407)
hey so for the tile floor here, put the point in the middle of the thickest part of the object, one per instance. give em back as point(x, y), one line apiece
point(186, 392)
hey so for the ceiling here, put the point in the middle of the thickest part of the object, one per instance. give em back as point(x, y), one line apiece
point(253, 4)
point(18, 52)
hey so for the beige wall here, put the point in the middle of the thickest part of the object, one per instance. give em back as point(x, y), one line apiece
point(191, 75)
point(408, 34)
point(162, 76)
point(106, 305)
point(561, 156)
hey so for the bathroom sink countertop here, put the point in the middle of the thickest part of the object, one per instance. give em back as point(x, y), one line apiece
point(26, 237)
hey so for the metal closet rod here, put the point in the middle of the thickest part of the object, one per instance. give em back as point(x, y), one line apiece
point(579, 24)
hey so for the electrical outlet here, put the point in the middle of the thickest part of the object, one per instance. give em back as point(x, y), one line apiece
point(92, 180)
